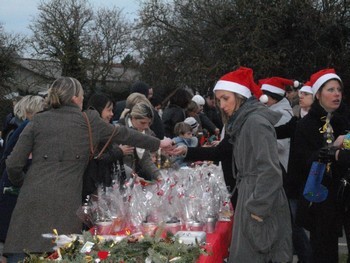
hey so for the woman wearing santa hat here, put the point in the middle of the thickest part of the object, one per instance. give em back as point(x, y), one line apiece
point(315, 134)
point(262, 228)
point(274, 90)
point(292, 181)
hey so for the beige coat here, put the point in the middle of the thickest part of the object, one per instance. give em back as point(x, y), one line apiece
point(51, 190)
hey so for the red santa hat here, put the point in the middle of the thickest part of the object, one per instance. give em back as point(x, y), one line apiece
point(276, 85)
point(306, 87)
point(240, 81)
point(321, 77)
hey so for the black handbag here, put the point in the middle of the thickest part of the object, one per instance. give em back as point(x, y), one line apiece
point(93, 176)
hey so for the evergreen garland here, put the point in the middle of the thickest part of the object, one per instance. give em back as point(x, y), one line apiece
point(129, 250)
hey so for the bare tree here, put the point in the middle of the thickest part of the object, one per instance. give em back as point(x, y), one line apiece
point(11, 47)
point(59, 32)
point(109, 40)
point(88, 44)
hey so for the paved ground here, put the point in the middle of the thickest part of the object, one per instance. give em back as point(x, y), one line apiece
point(343, 249)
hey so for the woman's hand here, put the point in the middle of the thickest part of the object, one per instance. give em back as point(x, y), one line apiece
point(339, 141)
point(143, 181)
point(257, 218)
point(215, 143)
point(166, 144)
point(127, 149)
point(211, 144)
point(179, 150)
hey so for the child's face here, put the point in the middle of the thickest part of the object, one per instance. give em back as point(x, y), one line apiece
point(187, 135)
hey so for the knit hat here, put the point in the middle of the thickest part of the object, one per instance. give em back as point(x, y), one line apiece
point(275, 87)
point(140, 87)
point(199, 100)
point(306, 87)
point(321, 77)
point(193, 123)
point(240, 81)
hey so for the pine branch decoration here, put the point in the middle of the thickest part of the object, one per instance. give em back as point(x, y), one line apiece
point(154, 249)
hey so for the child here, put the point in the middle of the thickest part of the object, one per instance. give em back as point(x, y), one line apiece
point(184, 136)
point(194, 125)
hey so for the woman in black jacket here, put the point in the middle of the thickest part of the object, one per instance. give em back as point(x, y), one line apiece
point(111, 161)
point(175, 112)
point(326, 120)
point(291, 185)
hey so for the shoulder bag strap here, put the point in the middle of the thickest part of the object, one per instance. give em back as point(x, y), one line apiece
point(90, 135)
point(90, 138)
point(107, 143)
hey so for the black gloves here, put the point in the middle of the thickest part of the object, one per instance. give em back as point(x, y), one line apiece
point(327, 154)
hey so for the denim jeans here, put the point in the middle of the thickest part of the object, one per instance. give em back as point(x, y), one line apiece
point(301, 242)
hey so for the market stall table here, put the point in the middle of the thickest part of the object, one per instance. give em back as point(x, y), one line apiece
point(218, 243)
point(194, 195)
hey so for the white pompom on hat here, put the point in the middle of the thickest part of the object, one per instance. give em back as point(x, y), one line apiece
point(321, 77)
point(277, 85)
point(240, 81)
point(199, 100)
point(264, 99)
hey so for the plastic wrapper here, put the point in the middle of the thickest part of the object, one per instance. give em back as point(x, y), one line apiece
point(195, 194)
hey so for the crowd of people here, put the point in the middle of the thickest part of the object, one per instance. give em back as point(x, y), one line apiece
point(265, 135)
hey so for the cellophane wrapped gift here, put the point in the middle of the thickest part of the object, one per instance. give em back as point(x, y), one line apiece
point(195, 194)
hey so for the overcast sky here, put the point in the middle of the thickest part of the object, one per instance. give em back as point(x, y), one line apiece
point(15, 15)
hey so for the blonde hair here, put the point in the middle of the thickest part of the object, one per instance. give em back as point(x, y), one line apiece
point(239, 101)
point(62, 90)
point(29, 104)
point(141, 110)
point(132, 100)
point(192, 107)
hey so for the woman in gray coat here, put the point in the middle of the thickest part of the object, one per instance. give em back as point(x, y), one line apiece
point(262, 227)
point(51, 190)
